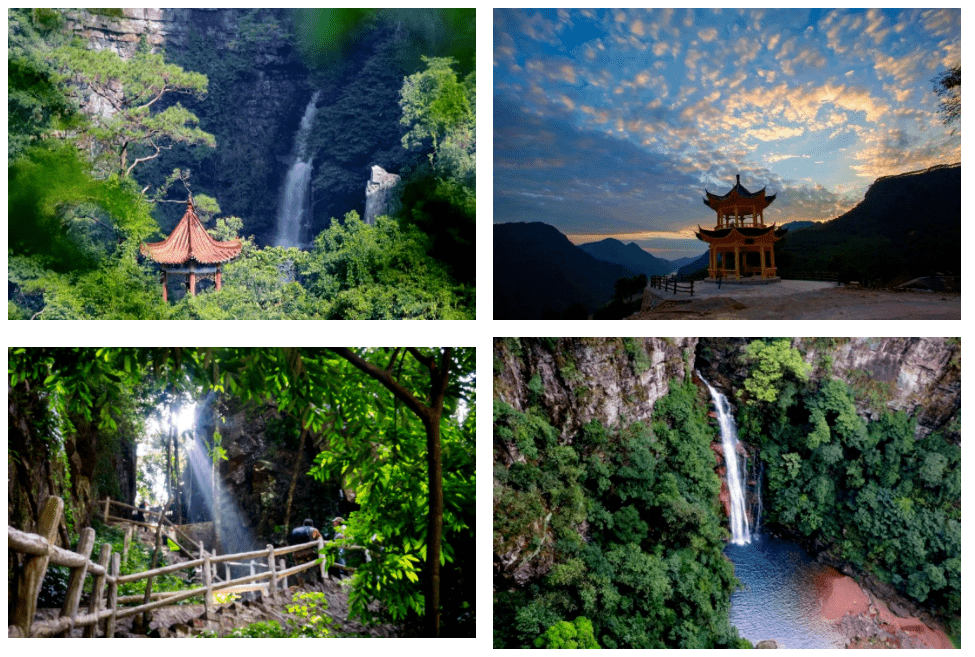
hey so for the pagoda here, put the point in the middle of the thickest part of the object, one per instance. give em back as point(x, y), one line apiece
point(741, 245)
point(190, 251)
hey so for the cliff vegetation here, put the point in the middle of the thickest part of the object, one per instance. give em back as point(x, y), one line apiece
point(113, 120)
point(608, 530)
point(384, 437)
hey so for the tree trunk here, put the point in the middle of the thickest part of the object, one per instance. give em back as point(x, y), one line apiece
point(430, 416)
point(294, 479)
point(434, 525)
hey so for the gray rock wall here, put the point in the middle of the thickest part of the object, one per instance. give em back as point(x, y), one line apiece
point(382, 195)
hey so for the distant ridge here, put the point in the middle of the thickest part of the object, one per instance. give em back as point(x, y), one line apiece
point(539, 273)
point(907, 225)
point(629, 255)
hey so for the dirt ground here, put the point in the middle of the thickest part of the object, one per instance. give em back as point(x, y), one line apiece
point(187, 620)
point(823, 303)
point(868, 622)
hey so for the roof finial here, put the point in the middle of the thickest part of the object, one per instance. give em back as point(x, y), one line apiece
point(738, 179)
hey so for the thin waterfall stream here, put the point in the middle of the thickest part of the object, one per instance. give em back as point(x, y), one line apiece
point(782, 583)
point(734, 467)
point(293, 206)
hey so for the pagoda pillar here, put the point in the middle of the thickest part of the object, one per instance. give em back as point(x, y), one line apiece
point(165, 285)
point(218, 279)
point(192, 284)
point(737, 265)
point(762, 254)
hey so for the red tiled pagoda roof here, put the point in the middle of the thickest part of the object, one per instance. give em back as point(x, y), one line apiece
point(190, 241)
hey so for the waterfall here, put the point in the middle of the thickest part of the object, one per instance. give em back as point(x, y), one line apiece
point(737, 517)
point(758, 497)
point(293, 209)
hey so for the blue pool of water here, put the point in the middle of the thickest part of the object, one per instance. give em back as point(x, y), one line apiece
point(780, 600)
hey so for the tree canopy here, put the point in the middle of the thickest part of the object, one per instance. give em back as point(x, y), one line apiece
point(388, 416)
point(84, 123)
point(119, 96)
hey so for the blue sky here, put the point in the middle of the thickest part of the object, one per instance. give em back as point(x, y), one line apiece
point(611, 123)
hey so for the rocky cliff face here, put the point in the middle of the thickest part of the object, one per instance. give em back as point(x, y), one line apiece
point(259, 85)
point(572, 381)
point(95, 463)
point(583, 379)
point(381, 195)
point(920, 376)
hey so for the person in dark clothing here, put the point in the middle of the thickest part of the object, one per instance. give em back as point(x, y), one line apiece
point(305, 534)
point(140, 515)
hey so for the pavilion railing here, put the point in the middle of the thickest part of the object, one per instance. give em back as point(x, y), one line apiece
point(672, 284)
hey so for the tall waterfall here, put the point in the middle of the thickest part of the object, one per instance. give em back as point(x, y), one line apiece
point(293, 207)
point(737, 517)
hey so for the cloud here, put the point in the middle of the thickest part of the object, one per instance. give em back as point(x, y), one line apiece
point(772, 159)
point(895, 151)
point(615, 105)
point(597, 183)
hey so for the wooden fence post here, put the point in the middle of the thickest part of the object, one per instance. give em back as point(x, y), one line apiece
point(226, 571)
point(208, 583)
point(128, 540)
point(321, 566)
point(35, 567)
point(274, 574)
point(97, 589)
point(107, 502)
point(77, 580)
point(112, 597)
point(283, 566)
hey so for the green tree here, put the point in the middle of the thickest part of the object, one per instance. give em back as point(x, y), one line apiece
point(36, 102)
point(124, 97)
point(435, 102)
point(383, 447)
point(381, 271)
point(73, 245)
point(770, 363)
point(577, 634)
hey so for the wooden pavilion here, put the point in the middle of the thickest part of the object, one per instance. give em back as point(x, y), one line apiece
point(741, 245)
point(190, 251)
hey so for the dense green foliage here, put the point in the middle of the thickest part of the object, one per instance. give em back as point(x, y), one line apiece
point(308, 620)
point(650, 572)
point(380, 445)
point(124, 91)
point(878, 497)
point(353, 271)
point(81, 121)
point(772, 361)
point(577, 634)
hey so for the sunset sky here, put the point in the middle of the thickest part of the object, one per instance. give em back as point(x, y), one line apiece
point(611, 123)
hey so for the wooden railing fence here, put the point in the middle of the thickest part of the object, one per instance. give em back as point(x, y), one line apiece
point(104, 610)
point(672, 284)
